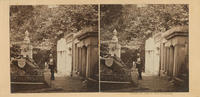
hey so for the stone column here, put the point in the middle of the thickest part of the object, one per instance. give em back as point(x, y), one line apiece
point(75, 55)
point(76, 58)
point(163, 62)
point(79, 60)
point(175, 60)
point(179, 58)
point(171, 60)
point(88, 61)
point(164, 58)
point(92, 59)
point(83, 61)
point(167, 60)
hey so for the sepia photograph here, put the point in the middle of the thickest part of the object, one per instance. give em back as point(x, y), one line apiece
point(54, 48)
point(144, 48)
point(99, 48)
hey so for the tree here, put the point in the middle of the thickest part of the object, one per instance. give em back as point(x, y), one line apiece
point(135, 21)
point(46, 22)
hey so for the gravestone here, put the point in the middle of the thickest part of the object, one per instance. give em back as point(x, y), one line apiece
point(64, 57)
point(61, 57)
point(152, 54)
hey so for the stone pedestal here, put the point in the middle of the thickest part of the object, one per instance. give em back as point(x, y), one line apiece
point(115, 49)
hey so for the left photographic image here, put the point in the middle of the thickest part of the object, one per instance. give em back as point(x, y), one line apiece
point(54, 48)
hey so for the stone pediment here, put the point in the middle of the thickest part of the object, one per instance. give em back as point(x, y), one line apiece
point(176, 31)
point(84, 35)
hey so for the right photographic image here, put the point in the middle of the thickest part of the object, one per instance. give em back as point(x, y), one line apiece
point(144, 48)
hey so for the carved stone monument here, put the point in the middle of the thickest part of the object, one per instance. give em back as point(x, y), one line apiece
point(26, 47)
point(114, 46)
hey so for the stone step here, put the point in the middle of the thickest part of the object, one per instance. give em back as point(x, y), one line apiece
point(184, 76)
point(178, 81)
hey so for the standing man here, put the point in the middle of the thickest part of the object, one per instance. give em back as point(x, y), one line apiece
point(139, 66)
point(51, 66)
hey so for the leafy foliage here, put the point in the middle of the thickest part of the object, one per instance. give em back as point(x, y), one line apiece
point(47, 22)
point(136, 21)
point(104, 50)
point(15, 50)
